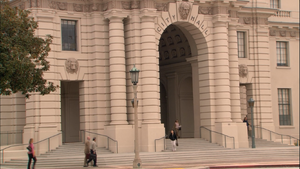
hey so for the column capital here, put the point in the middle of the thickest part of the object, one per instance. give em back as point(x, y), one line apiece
point(146, 12)
point(233, 22)
point(220, 18)
point(118, 14)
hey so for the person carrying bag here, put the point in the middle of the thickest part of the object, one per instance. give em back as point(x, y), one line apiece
point(31, 154)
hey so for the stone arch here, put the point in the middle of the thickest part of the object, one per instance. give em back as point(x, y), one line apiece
point(197, 30)
point(195, 27)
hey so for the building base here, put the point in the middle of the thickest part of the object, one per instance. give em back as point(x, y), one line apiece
point(124, 134)
point(150, 132)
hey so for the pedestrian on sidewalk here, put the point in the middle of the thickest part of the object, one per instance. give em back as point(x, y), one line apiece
point(173, 139)
point(93, 154)
point(86, 151)
point(31, 154)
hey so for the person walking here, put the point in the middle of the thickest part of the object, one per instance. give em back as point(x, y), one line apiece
point(248, 125)
point(177, 128)
point(86, 151)
point(173, 139)
point(31, 154)
point(93, 154)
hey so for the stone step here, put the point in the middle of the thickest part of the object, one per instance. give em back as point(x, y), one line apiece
point(193, 150)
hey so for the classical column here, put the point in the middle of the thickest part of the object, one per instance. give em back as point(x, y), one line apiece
point(117, 71)
point(234, 75)
point(150, 71)
point(133, 53)
point(221, 63)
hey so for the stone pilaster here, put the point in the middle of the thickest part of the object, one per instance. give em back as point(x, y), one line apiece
point(234, 75)
point(151, 127)
point(150, 70)
point(196, 102)
point(117, 71)
point(221, 63)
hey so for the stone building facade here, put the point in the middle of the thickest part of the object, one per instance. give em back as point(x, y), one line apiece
point(199, 61)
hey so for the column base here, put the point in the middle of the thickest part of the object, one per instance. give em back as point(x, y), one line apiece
point(236, 130)
point(242, 135)
point(137, 163)
point(124, 134)
point(151, 132)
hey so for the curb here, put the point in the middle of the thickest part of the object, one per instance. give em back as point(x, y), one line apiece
point(255, 166)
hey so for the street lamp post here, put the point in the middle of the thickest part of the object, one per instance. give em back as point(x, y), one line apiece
point(251, 104)
point(134, 73)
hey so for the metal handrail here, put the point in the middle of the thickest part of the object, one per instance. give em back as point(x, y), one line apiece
point(160, 139)
point(281, 135)
point(48, 138)
point(210, 140)
point(103, 136)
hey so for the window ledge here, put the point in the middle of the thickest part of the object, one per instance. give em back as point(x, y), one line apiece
point(286, 127)
point(69, 51)
point(283, 67)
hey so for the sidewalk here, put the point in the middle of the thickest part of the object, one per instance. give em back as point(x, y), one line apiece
point(188, 165)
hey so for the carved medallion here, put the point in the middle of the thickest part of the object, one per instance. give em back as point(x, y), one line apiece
point(87, 7)
point(95, 7)
point(62, 5)
point(282, 33)
point(272, 32)
point(105, 7)
point(243, 70)
point(205, 10)
point(135, 5)
point(78, 7)
point(126, 4)
point(293, 33)
point(184, 10)
point(247, 20)
point(71, 65)
point(52, 4)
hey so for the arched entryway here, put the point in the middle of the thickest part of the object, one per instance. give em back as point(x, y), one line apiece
point(176, 96)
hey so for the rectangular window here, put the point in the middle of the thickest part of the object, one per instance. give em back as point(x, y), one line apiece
point(274, 4)
point(241, 40)
point(282, 55)
point(68, 34)
point(284, 107)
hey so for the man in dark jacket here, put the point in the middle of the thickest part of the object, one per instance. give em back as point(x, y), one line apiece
point(173, 139)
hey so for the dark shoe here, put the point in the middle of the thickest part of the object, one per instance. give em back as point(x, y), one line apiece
point(95, 165)
point(85, 166)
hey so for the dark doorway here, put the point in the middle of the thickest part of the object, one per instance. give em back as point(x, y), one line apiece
point(70, 119)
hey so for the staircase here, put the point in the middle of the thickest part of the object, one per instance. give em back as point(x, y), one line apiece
point(192, 144)
point(261, 143)
point(189, 151)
